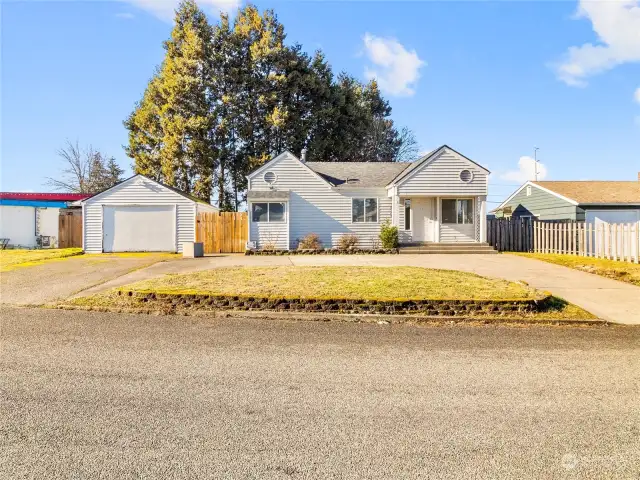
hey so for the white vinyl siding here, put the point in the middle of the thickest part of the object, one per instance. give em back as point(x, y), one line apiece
point(441, 176)
point(316, 207)
point(452, 233)
point(138, 191)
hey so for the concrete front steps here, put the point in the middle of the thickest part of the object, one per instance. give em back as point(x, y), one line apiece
point(447, 248)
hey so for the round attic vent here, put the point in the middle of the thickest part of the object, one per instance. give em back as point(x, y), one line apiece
point(270, 178)
point(466, 176)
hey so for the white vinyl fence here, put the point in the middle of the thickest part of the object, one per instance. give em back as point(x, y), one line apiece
point(614, 241)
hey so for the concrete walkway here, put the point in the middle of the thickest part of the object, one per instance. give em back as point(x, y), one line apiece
point(608, 299)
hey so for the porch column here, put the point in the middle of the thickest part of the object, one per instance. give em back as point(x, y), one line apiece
point(483, 218)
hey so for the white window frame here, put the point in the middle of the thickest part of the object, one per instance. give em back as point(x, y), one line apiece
point(268, 220)
point(364, 199)
point(473, 206)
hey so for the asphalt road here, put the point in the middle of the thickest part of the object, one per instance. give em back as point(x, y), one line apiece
point(90, 395)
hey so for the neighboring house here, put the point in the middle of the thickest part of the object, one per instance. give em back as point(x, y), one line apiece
point(24, 217)
point(440, 197)
point(140, 214)
point(590, 201)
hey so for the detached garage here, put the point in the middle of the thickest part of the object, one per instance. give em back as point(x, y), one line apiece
point(140, 215)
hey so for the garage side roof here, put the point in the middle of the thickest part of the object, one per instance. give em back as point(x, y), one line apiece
point(139, 175)
point(595, 192)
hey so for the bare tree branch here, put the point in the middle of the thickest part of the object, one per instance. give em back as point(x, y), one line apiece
point(85, 171)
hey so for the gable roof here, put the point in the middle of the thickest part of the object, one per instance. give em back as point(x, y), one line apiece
point(595, 192)
point(586, 192)
point(344, 175)
point(174, 189)
point(426, 159)
point(281, 156)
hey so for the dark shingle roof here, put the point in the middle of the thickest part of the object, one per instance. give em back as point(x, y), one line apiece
point(358, 174)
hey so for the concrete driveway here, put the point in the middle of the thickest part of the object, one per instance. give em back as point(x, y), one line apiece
point(608, 299)
point(101, 395)
point(59, 279)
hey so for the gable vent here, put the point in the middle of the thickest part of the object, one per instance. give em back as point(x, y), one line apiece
point(270, 178)
point(466, 176)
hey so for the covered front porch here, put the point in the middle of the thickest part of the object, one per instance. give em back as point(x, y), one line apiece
point(440, 219)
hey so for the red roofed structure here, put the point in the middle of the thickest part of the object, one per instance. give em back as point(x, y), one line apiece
point(46, 197)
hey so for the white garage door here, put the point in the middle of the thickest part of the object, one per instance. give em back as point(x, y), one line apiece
point(612, 216)
point(150, 228)
point(610, 241)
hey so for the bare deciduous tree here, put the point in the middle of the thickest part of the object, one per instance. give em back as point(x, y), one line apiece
point(86, 170)
point(408, 148)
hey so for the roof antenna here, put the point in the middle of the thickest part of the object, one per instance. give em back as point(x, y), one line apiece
point(303, 155)
point(535, 161)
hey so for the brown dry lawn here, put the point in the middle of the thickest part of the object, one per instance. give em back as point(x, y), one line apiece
point(362, 283)
point(380, 283)
point(623, 271)
point(10, 259)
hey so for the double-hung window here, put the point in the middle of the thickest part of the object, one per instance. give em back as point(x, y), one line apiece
point(268, 212)
point(364, 210)
point(455, 210)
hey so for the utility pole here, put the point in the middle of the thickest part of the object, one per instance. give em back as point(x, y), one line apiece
point(535, 161)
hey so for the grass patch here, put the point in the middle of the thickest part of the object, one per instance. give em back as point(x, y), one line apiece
point(376, 283)
point(387, 284)
point(623, 271)
point(10, 259)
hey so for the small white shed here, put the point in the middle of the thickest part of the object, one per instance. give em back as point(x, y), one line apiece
point(140, 215)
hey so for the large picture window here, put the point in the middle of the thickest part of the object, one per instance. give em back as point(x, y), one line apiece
point(364, 210)
point(268, 212)
point(455, 210)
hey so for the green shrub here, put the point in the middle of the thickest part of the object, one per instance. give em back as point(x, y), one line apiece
point(310, 242)
point(347, 241)
point(388, 235)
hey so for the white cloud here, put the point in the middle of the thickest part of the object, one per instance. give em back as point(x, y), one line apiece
point(396, 69)
point(617, 25)
point(164, 9)
point(526, 171)
point(636, 96)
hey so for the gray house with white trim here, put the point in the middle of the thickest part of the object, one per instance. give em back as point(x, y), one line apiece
point(439, 198)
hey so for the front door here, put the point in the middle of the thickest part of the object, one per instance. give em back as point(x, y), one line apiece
point(423, 228)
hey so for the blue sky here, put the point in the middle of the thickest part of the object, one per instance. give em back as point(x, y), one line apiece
point(490, 79)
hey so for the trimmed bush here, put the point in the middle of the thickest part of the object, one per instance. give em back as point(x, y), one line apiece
point(310, 242)
point(388, 235)
point(348, 241)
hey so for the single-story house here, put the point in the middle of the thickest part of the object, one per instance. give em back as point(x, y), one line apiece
point(29, 218)
point(140, 215)
point(440, 197)
point(590, 201)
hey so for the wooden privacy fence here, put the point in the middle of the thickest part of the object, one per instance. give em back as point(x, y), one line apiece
point(614, 241)
point(224, 232)
point(510, 235)
point(70, 229)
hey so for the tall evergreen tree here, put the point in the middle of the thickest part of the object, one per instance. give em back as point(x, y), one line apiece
point(229, 97)
point(171, 129)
